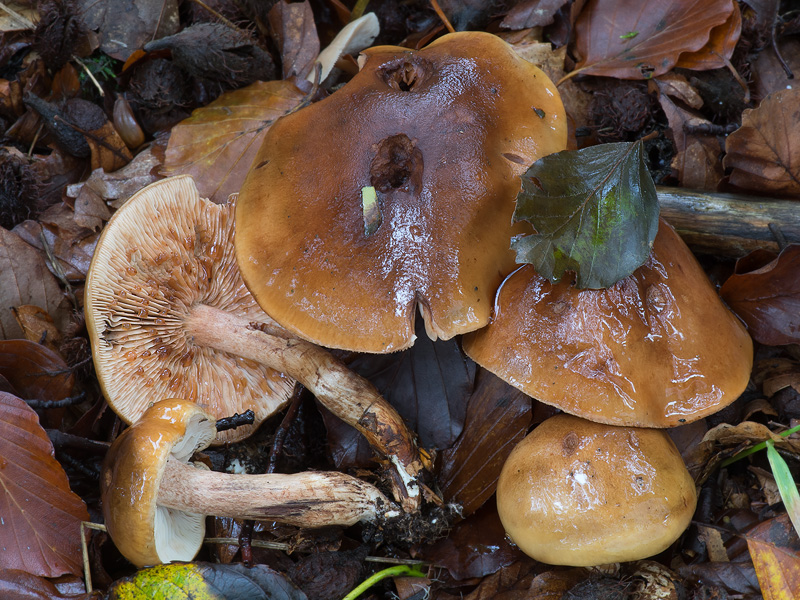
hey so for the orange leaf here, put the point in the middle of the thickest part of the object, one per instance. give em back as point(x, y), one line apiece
point(765, 151)
point(217, 144)
point(719, 49)
point(777, 564)
point(631, 39)
point(39, 516)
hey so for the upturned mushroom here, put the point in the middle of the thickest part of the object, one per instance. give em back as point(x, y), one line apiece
point(155, 500)
point(169, 316)
point(579, 493)
point(657, 349)
point(396, 192)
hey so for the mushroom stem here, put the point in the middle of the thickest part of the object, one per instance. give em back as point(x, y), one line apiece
point(346, 394)
point(312, 499)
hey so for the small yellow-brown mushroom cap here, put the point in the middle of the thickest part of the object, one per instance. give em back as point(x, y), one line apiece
point(579, 493)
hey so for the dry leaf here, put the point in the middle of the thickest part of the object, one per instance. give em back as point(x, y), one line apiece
point(676, 86)
point(24, 279)
point(217, 144)
point(630, 39)
point(768, 299)
point(127, 25)
point(19, 585)
point(775, 551)
point(40, 525)
point(109, 152)
point(764, 152)
point(532, 13)
point(719, 49)
point(769, 75)
point(37, 326)
point(498, 417)
point(35, 371)
point(295, 34)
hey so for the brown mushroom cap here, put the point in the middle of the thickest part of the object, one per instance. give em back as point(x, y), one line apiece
point(579, 493)
point(442, 135)
point(163, 253)
point(145, 533)
point(657, 349)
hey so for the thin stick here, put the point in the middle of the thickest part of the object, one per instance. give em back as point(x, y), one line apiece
point(87, 571)
point(35, 139)
point(91, 75)
point(443, 17)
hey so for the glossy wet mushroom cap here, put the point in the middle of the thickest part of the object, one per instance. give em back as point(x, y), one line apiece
point(441, 136)
point(145, 533)
point(657, 349)
point(163, 254)
point(579, 493)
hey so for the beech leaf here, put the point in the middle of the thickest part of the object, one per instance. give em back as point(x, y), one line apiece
point(774, 550)
point(595, 212)
point(206, 581)
point(664, 31)
point(217, 144)
point(768, 299)
point(40, 517)
point(765, 151)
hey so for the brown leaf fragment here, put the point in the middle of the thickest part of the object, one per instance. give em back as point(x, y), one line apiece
point(24, 279)
point(295, 34)
point(217, 144)
point(775, 550)
point(498, 417)
point(768, 73)
point(764, 152)
point(144, 20)
point(38, 326)
point(40, 524)
point(768, 299)
point(108, 150)
point(19, 585)
point(629, 39)
point(677, 87)
point(35, 371)
point(476, 547)
point(532, 13)
point(719, 49)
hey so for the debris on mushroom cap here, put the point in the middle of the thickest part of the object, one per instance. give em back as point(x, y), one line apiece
point(442, 136)
point(147, 534)
point(579, 493)
point(657, 349)
point(166, 251)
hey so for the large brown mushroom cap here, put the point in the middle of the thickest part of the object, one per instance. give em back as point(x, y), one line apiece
point(163, 253)
point(579, 493)
point(145, 533)
point(442, 134)
point(657, 349)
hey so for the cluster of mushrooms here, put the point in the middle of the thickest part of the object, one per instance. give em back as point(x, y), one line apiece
point(190, 324)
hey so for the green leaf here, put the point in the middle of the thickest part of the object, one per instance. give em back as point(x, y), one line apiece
point(595, 212)
point(786, 485)
point(205, 581)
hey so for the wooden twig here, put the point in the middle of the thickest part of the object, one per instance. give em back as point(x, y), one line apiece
point(730, 224)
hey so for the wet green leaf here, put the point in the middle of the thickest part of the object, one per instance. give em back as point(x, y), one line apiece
point(595, 212)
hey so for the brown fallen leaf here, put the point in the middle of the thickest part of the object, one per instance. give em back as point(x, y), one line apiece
point(24, 279)
point(476, 547)
point(768, 299)
point(769, 75)
point(532, 13)
point(144, 20)
point(629, 39)
point(295, 34)
point(719, 49)
point(764, 152)
point(775, 550)
point(41, 517)
point(217, 144)
point(498, 417)
point(37, 326)
point(35, 371)
point(19, 585)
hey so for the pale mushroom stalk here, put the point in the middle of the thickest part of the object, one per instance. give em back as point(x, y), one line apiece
point(347, 395)
point(170, 317)
point(313, 499)
point(155, 501)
